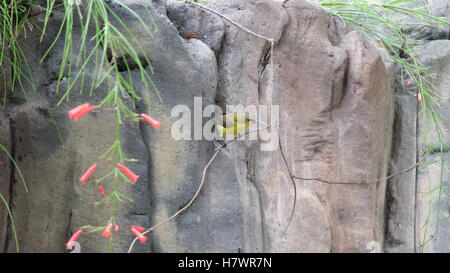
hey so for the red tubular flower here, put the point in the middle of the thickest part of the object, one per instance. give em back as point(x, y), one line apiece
point(107, 232)
point(153, 122)
point(142, 238)
point(74, 238)
point(77, 109)
point(132, 176)
point(88, 173)
point(138, 228)
point(409, 83)
point(116, 228)
point(101, 190)
point(419, 98)
point(80, 111)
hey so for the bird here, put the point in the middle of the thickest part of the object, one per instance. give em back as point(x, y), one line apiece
point(234, 123)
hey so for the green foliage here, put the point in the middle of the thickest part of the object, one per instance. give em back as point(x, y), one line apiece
point(115, 46)
point(112, 40)
point(379, 22)
point(106, 42)
point(13, 227)
point(13, 23)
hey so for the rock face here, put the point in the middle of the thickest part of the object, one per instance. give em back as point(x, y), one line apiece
point(5, 175)
point(337, 129)
point(335, 124)
point(437, 8)
point(53, 152)
point(417, 208)
point(433, 208)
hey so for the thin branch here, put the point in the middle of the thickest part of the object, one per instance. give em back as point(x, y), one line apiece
point(188, 204)
point(291, 176)
point(361, 182)
point(270, 40)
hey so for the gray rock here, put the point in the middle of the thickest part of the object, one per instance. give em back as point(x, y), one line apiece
point(214, 222)
point(433, 207)
point(436, 56)
point(207, 27)
point(57, 203)
point(5, 177)
point(412, 219)
point(335, 123)
point(400, 197)
point(328, 130)
point(437, 8)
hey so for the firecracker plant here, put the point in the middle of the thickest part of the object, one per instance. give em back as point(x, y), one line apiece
point(108, 44)
point(115, 161)
point(117, 44)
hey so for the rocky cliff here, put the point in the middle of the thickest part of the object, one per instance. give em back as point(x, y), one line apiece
point(345, 121)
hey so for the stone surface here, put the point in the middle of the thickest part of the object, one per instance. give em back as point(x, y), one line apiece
point(335, 123)
point(432, 215)
point(214, 222)
point(364, 122)
point(412, 212)
point(5, 177)
point(437, 8)
point(400, 196)
point(328, 129)
point(206, 27)
point(242, 68)
point(57, 203)
point(436, 56)
point(433, 205)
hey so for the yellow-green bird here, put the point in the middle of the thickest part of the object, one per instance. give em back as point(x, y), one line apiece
point(234, 123)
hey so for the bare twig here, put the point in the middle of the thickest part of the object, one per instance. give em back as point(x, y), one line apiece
point(293, 184)
point(188, 204)
point(361, 182)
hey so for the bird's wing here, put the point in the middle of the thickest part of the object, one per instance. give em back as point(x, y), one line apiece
point(229, 119)
point(237, 129)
